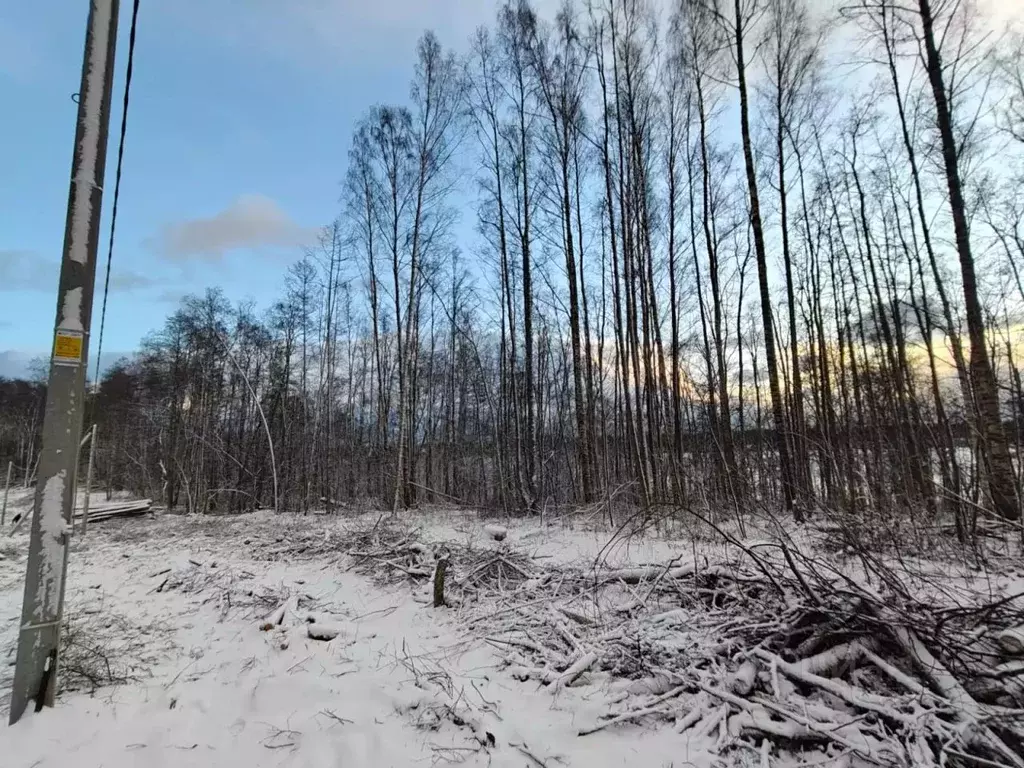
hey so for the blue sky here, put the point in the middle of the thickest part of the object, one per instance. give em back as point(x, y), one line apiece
point(239, 129)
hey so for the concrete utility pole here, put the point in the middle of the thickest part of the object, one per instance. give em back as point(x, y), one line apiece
point(35, 674)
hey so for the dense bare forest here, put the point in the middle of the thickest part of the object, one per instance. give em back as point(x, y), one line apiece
point(726, 255)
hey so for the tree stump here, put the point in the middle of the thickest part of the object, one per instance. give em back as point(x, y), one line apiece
point(439, 573)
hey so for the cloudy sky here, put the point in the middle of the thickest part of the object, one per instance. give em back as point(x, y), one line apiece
point(238, 135)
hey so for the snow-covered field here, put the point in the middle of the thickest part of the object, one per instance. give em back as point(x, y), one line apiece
point(207, 687)
point(170, 659)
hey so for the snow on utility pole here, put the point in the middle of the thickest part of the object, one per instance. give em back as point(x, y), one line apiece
point(35, 674)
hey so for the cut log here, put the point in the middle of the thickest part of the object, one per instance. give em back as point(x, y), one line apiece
point(581, 665)
point(649, 686)
point(116, 509)
point(126, 508)
point(827, 661)
point(1012, 640)
point(744, 679)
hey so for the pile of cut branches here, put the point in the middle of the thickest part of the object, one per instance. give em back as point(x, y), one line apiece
point(781, 653)
point(390, 554)
point(493, 570)
point(232, 590)
point(769, 649)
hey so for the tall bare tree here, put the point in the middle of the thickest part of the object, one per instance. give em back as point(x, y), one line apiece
point(996, 450)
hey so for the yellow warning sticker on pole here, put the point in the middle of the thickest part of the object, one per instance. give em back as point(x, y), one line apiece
point(67, 348)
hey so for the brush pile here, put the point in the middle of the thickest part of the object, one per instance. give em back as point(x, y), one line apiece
point(391, 554)
point(234, 591)
point(769, 650)
point(781, 656)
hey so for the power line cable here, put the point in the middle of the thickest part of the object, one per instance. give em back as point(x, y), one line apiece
point(117, 186)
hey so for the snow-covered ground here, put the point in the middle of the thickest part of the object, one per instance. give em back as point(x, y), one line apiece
point(404, 684)
point(170, 659)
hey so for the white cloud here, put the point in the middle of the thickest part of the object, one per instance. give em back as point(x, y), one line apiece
point(251, 222)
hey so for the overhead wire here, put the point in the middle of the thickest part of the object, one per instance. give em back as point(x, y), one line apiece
point(117, 187)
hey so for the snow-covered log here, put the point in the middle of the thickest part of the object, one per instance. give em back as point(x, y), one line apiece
point(1012, 640)
point(323, 631)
